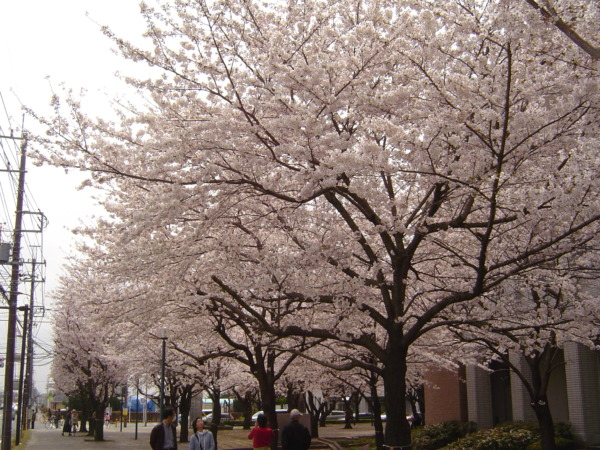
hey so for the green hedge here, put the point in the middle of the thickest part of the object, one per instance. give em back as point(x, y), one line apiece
point(514, 436)
point(462, 436)
point(509, 436)
point(432, 437)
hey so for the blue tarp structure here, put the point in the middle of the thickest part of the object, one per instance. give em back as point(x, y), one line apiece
point(135, 404)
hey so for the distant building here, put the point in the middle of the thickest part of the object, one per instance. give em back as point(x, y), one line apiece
point(492, 397)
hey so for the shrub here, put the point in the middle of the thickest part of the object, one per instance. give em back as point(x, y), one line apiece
point(499, 438)
point(432, 437)
point(563, 430)
point(561, 444)
point(515, 436)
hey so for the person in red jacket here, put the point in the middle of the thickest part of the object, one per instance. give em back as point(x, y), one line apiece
point(261, 435)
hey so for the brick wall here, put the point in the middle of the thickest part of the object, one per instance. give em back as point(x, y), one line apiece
point(445, 396)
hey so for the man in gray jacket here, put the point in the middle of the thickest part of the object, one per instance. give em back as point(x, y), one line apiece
point(164, 435)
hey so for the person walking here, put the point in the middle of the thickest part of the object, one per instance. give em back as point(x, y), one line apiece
point(261, 435)
point(74, 421)
point(67, 425)
point(202, 439)
point(294, 435)
point(164, 435)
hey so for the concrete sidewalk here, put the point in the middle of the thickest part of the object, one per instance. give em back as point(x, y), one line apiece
point(42, 439)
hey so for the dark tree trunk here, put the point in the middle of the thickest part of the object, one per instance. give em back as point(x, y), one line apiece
point(266, 383)
point(85, 416)
point(99, 422)
point(246, 402)
point(315, 411)
point(92, 427)
point(397, 428)
point(540, 366)
point(544, 417)
point(185, 403)
point(324, 413)
point(264, 372)
point(294, 397)
point(215, 396)
point(348, 410)
point(376, 408)
point(356, 399)
point(415, 398)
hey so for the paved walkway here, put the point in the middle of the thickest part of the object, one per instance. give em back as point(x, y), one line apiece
point(42, 439)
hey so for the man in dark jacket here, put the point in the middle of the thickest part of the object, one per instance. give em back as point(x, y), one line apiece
point(294, 435)
point(164, 435)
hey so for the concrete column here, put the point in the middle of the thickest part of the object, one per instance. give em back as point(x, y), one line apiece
point(479, 397)
point(583, 390)
point(521, 407)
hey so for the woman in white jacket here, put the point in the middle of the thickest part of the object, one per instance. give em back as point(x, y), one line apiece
point(202, 439)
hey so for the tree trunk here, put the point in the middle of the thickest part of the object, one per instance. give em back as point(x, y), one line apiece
point(294, 397)
point(215, 396)
point(268, 399)
point(246, 402)
point(356, 399)
point(544, 417)
point(397, 428)
point(324, 413)
point(348, 411)
point(376, 407)
point(540, 366)
point(92, 425)
point(84, 420)
point(99, 422)
point(315, 412)
point(185, 403)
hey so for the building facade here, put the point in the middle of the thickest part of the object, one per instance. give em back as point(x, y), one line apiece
point(490, 397)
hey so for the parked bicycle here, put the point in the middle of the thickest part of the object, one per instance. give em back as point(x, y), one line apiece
point(53, 423)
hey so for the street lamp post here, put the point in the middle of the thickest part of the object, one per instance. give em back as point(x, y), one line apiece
point(163, 337)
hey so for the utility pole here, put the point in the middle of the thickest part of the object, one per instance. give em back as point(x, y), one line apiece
point(28, 392)
point(20, 416)
point(9, 367)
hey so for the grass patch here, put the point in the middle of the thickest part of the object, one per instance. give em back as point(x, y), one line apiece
point(358, 443)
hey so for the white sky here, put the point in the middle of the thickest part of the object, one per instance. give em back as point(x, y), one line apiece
point(43, 42)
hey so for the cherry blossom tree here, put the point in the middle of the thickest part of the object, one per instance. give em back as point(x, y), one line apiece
point(86, 363)
point(531, 320)
point(376, 165)
point(567, 16)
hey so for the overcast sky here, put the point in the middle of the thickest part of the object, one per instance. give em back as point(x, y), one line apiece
point(42, 44)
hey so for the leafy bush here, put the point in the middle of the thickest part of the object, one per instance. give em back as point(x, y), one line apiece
point(563, 437)
point(432, 437)
point(515, 436)
point(499, 438)
point(453, 435)
point(561, 444)
point(563, 430)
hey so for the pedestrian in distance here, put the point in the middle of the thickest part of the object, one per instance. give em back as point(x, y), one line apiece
point(164, 435)
point(74, 421)
point(202, 439)
point(294, 435)
point(67, 425)
point(261, 434)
